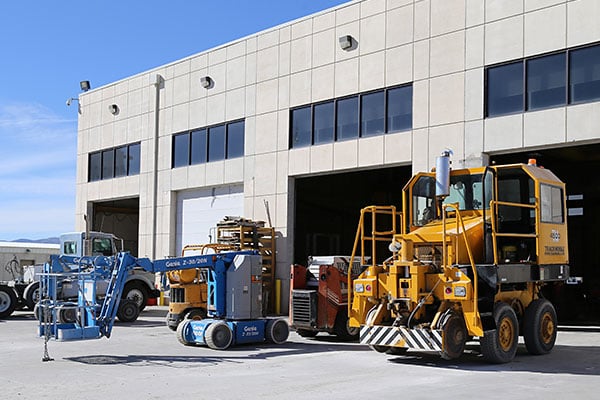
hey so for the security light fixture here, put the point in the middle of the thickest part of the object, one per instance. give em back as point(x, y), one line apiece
point(114, 109)
point(346, 42)
point(206, 82)
point(85, 85)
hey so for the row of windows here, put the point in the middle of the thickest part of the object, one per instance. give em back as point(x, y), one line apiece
point(208, 144)
point(363, 115)
point(115, 162)
point(568, 77)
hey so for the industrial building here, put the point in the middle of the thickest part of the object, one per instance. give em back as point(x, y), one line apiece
point(16, 257)
point(303, 124)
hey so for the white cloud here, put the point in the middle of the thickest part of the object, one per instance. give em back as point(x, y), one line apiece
point(37, 175)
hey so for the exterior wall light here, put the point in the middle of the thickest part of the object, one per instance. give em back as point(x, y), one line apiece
point(114, 109)
point(346, 42)
point(85, 85)
point(206, 82)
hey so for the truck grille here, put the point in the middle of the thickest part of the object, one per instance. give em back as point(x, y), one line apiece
point(177, 295)
point(304, 308)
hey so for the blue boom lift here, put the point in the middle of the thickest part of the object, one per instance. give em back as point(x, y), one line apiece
point(234, 299)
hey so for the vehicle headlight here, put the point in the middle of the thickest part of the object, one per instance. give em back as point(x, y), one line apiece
point(359, 288)
point(460, 291)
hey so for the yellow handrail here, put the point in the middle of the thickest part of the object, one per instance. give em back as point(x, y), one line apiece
point(495, 234)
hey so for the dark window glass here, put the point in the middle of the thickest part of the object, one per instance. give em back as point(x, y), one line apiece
point(584, 73)
point(546, 82)
point(95, 167)
point(121, 161)
point(134, 159)
point(324, 123)
point(181, 150)
point(399, 109)
point(108, 164)
point(347, 119)
point(216, 143)
point(199, 141)
point(235, 139)
point(505, 89)
point(301, 124)
point(372, 114)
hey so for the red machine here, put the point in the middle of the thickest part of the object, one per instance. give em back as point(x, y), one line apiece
point(319, 297)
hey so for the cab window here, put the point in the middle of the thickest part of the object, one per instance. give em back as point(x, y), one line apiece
point(70, 247)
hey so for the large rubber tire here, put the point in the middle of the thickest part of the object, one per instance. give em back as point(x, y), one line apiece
point(197, 314)
point(128, 311)
point(67, 313)
point(539, 327)
point(277, 331)
point(218, 336)
point(500, 345)
point(32, 295)
point(137, 292)
point(181, 331)
point(455, 336)
point(306, 333)
point(342, 329)
point(8, 301)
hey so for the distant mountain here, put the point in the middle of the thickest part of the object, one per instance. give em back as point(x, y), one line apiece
point(51, 240)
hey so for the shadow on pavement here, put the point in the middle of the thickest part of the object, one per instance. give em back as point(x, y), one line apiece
point(575, 360)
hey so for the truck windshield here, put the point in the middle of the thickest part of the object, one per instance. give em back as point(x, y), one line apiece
point(102, 246)
point(466, 190)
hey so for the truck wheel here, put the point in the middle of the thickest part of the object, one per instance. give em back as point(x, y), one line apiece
point(500, 345)
point(32, 295)
point(306, 333)
point(137, 292)
point(128, 311)
point(8, 301)
point(277, 331)
point(342, 329)
point(181, 332)
point(539, 327)
point(454, 336)
point(217, 336)
point(197, 314)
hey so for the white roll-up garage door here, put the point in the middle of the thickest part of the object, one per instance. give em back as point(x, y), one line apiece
point(198, 212)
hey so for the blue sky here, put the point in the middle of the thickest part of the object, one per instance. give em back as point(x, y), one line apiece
point(48, 47)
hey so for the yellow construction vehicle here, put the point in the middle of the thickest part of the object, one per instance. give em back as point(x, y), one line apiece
point(474, 250)
point(188, 288)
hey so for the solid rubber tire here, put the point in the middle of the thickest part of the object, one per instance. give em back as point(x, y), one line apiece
point(540, 327)
point(277, 331)
point(507, 330)
point(218, 336)
point(181, 332)
point(306, 333)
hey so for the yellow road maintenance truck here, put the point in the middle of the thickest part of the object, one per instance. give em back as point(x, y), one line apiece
point(474, 250)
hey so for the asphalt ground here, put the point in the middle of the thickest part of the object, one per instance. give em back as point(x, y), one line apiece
point(144, 360)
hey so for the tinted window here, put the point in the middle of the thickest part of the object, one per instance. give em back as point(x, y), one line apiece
point(108, 163)
point(235, 139)
point(546, 82)
point(199, 141)
point(301, 127)
point(584, 74)
point(121, 161)
point(399, 109)
point(372, 114)
point(95, 167)
point(134, 159)
point(216, 143)
point(324, 123)
point(181, 150)
point(505, 89)
point(347, 118)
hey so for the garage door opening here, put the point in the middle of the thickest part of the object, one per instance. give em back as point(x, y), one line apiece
point(579, 168)
point(121, 218)
point(328, 207)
